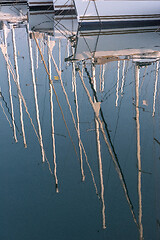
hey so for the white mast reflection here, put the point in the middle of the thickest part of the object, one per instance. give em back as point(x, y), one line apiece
point(103, 72)
point(68, 103)
point(18, 82)
point(35, 96)
point(116, 163)
point(10, 87)
point(123, 76)
point(73, 76)
point(52, 118)
point(37, 58)
point(117, 88)
point(101, 77)
point(60, 64)
point(93, 74)
point(11, 69)
point(137, 71)
point(155, 89)
point(68, 52)
point(99, 148)
point(77, 115)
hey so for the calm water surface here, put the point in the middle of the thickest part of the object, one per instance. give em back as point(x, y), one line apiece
point(121, 163)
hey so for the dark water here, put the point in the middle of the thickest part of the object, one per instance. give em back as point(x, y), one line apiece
point(30, 208)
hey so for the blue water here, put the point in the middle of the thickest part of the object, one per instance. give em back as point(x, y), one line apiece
point(30, 208)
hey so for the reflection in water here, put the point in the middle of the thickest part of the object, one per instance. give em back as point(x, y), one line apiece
point(10, 87)
point(123, 76)
point(18, 82)
point(138, 151)
point(35, 95)
point(103, 58)
point(117, 89)
point(52, 118)
point(97, 107)
point(74, 122)
point(155, 89)
point(5, 114)
point(101, 77)
point(74, 88)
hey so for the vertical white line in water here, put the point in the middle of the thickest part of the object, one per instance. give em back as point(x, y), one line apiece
point(5, 55)
point(117, 89)
point(94, 76)
point(73, 76)
point(37, 59)
point(68, 48)
point(82, 69)
point(78, 127)
point(100, 78)
point(35, 97)
point(117, 167)
point(103, 72)
point(101, 172)
point(10, 89)
point(123, 69)
point(68, 52)
point(137, 71)
point(66, 96)
point(18, 82)
point(42, 45)
point(60, 67)
point(52, 120)
point(74, 88)
point(155, 89)
point(99, 155)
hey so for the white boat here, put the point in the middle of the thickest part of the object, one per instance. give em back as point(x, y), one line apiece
point(41, 22)
point(103, 13)
point(139, 44)
point(110, 14)
point(60, 7)
point(41, 15)
point(64, 7)
point(40, 5)
point(13, 13)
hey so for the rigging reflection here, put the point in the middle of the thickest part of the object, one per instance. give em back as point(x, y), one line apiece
point(89, 53)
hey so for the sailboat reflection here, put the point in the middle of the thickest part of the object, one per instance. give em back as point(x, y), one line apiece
point(89, 54)
point(97, 48)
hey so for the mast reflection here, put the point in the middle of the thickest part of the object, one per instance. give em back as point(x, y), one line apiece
point(88, 51)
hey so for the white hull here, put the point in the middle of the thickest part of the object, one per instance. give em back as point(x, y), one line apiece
point(92, 10)
point(40, 4)
point(11, 14)
point(121, 12)
point(112, 45)
point(64, 7)
point(103, 13)
point(41, 22)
